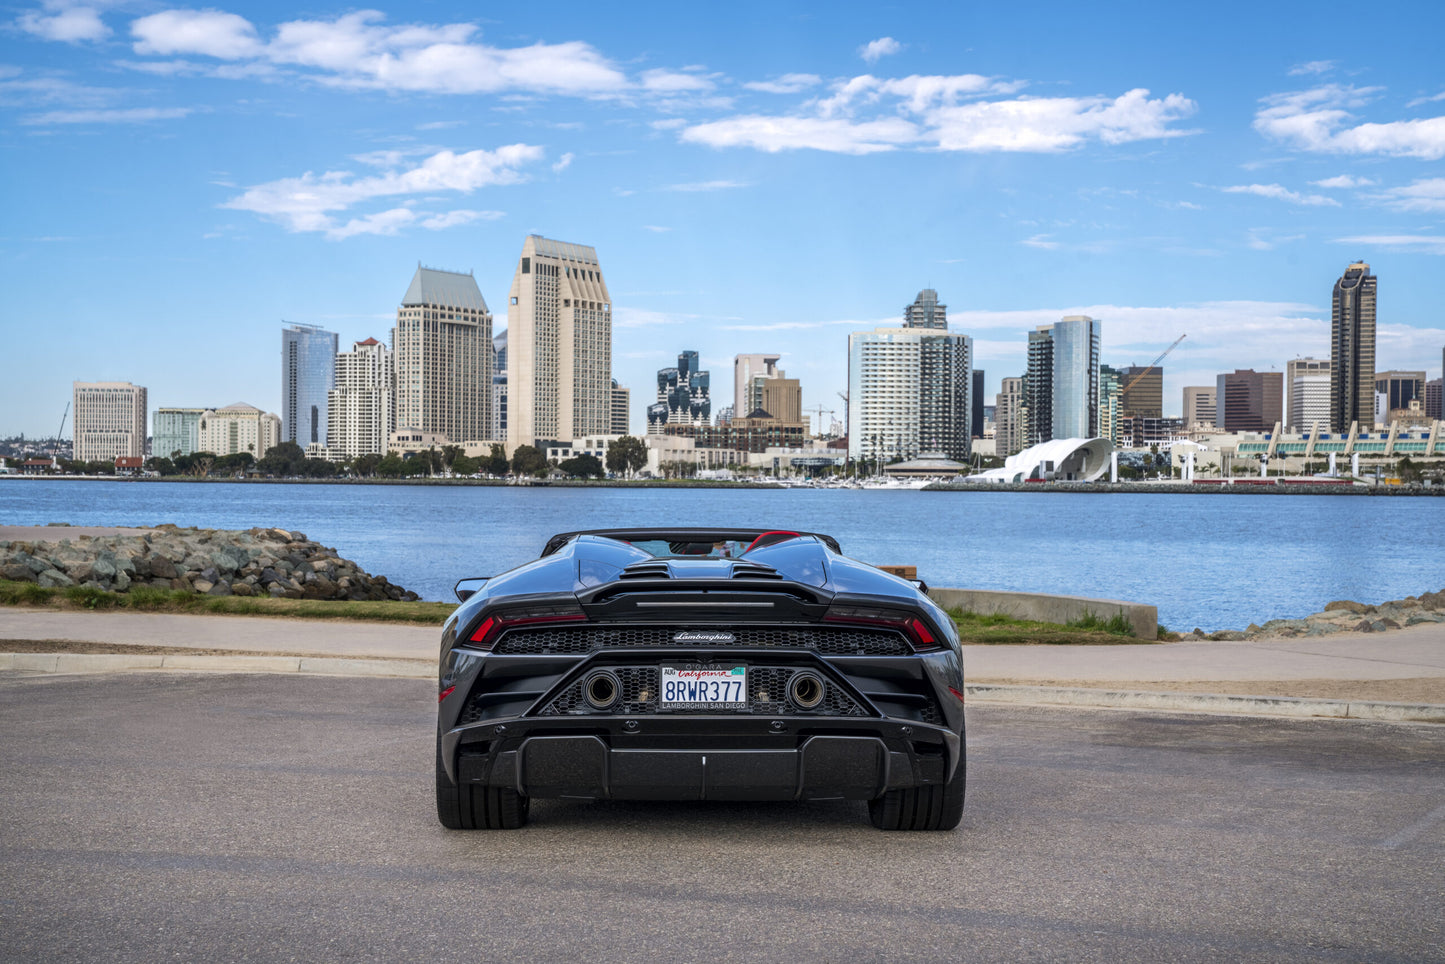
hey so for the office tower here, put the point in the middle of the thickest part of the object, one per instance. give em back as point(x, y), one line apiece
point(1062, 386)
point(109, 421)
point(1009, 427)
point(684, 396)
point(1396, 390)
point(361, 409)
point(1111, 397)
point(499, 386)
point(559, 346)
point(239, 428)
point(443, 357)
point(782, 399)
point(908, 392)
point(1307, 394)
point(177, 431)
point(1142, 391)
point(1199, 405)
point(978, 417)
point(308, 372)
point(1433, 401)
point(749, 371)
point(1352, 349)
point(621, 410)
point(926, 312)
point(1248, 401)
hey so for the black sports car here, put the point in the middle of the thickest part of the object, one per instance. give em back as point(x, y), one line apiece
point(699, 664)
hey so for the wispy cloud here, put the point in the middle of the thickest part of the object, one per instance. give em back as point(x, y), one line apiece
point(1321, 120)
point(1313, 67)
point(1281, 193)
point(1263, 239)
point(704, 186)
point(786, 84)
point(133, 115)
point(563, 162)
point(1427, 243)
point(1343, 181)
point(1422, 195)
point(64, 21)
point(1041, 241)
point(655, 228)
point(882, 47)
point(1433, 98)
point(314, 203)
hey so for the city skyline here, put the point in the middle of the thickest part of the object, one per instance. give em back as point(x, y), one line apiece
point(166, 150)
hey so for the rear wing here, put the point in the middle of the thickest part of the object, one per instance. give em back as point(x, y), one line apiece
point(684, 535)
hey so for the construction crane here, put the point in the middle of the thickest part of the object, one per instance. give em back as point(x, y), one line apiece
point(1152, 365)
point(63, 417)
point(820, 411)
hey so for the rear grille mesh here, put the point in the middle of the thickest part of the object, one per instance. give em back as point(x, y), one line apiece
point(580, 640)
point(767, 693)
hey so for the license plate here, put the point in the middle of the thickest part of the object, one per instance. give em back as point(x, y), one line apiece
point(703, 688)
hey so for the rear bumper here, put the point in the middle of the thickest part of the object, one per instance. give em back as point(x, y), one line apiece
point(701, 758)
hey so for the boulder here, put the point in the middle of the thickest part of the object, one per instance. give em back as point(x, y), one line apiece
point(1347, 606)
point(202, 586)
point(17, 572)
point(242, 589)
point(54, 579)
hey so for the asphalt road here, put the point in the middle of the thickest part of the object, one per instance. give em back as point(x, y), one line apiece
point(176, 817)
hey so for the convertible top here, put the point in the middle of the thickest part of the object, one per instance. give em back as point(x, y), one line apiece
point(679, 534)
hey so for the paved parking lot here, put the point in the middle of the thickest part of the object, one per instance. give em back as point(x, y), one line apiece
point(150, 817)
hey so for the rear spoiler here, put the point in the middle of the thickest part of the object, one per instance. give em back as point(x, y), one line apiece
point(680, 534)
point(668, 600)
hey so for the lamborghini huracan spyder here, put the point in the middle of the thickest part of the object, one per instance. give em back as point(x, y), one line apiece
point(699, 664)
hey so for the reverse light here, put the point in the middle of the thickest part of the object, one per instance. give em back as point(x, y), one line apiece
point(487, 631)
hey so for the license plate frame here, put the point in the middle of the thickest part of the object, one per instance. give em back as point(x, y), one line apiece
point(727, 682)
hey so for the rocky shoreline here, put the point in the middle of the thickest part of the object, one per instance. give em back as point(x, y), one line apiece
point(212, 562)
point(1342, 616)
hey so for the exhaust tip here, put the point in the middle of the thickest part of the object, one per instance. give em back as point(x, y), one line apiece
point(806, 690)
point(602, 690)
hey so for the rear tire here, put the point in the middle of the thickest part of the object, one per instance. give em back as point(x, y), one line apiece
point(467, 807)
point(921, 808)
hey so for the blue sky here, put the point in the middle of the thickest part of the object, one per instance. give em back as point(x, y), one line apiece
point(755, 177)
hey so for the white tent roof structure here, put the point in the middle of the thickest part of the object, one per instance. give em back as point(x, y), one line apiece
point(1060, 459)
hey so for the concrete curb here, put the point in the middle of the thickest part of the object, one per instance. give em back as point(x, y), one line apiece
point(1210, 702)
point(74, 663)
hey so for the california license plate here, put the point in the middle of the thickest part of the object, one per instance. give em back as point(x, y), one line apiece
point(703, 688)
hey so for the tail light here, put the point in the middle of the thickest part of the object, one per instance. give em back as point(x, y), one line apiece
point(920, 637)
point(487, 631)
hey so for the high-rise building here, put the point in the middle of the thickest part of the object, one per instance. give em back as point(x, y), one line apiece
point(782, 399)
point(1307, 394)
point(684, 396)
point(977, 418)
point(749, 372)
point(908, 392)
point(1352, 349)
point(1433, 401)
point(926, 312)
point(239, 428)
point(308, 372)
point(621, 410)
point(1062, 386)
point(499, 386)
point(1142, 391)
point(177, 431)
point(559, 345)
point(443, 357)
point(1248, 401)
point(361, 409)
point(1398, 389)
point(1199, 405)
point(109, 421)
point(1009, 424)
point(1111, 395)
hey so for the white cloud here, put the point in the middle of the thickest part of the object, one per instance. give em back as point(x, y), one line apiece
point(1427, 100)
point(563, 162)
point(705, 186)
point(1313, 67)
point(1058, 123)
point(1428, 243)
point(1188, 205)
point(1423, 195)
point(1343, 181)
point(663, 81)
point(656, 228)
point(786, 84)
point(360, 50)
point(882, 47)
point(134, 115)
point(208, 33)
point(66, 22)
point(1320, 120)
point(35, 91)
point(311, 203)
point(774, 134)
point(1262, 239)
point(453, 218)
point(1281, 193)
point(1041, 241)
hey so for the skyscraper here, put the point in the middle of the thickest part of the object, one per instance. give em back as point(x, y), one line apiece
point(499, 386)
point(1008, 415)
point(926, 312)
point(908, 392)
point(749, 371)
point(1307, 394)
point(1062, 386)
point(976, 419)
point(1111, 396)
point(1398, 389)
point(109, 421)
point(443, 360)
point(361, 409)
point(1199, 405)
point(621, 410)
point(1142, 391)
point(684, 396)
point(308, 372)
point(1352, 349)
point(1248, 401)
point(945, 382)
point(559, 345)
point(177, 431)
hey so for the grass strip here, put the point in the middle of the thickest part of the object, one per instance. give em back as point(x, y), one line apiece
point(998, 629)
point(152, 600)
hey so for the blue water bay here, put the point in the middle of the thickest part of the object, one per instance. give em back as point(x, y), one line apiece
point(1214, 561)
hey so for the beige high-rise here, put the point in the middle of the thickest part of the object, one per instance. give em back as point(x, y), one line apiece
point(443, 356)
point(360, 410)
point(110, 421)
point(559, 345)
